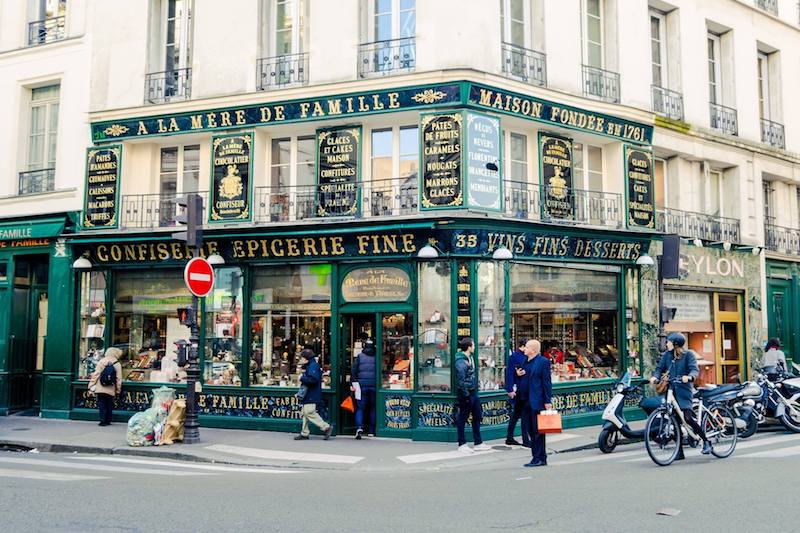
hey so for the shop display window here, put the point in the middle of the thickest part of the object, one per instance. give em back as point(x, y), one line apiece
point(573, 312)
point(291, 310)
point(3, 271)
point(632, 323)
point(223, 329)
point(92, 322)
point(397, 351)
point(491, 342)
point(146, 325)
point(434, 326)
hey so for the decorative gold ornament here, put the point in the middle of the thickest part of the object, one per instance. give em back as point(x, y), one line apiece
point(558, 185)
point(231, 185)
point(428, 96)
point(115, 130)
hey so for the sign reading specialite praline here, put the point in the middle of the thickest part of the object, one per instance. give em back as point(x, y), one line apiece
point(641, 194)
point(231, 170)
point(485, 188)
point(101, 196)
point(442, 185)
point(338, 172)
point(558, 199)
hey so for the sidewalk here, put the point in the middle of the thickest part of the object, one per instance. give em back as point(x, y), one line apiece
point(274, 449)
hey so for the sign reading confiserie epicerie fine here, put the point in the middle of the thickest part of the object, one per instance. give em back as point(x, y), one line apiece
point(231, 182)
point(338, 171)
point(101, 195)
point(376, 284)
point(484, 186)
point(640, 190)
point(555, 156)
point(442, 180)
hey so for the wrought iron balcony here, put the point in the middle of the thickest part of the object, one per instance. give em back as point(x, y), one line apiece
point(525, 65)
point(781, 239)
point(148, 211)
point(772, 133)
point(667, 103)
point(698, 225)
point(36, 181)
point(168, 86)
point(384, 58)
point(281, 71)
point(600, 84)
point(589, 208)
point(770, 6)
point(46, 31)
point(723, 119)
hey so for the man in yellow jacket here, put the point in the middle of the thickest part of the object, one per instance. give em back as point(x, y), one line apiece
point(107, 386)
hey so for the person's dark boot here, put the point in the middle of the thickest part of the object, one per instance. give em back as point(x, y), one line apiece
point(359, 432)
point(512, 442)
point(681, 456)
point(328, 432)
point(707, 447)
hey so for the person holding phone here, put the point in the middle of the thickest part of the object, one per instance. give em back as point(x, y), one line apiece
point(540, 397)
point(516, 397)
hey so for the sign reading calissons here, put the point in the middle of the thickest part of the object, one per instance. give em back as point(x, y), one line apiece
point(557, 196)
point(101, 196)
point(442, 180)
point(640, 188)
point(338, 171)
point(231, 183)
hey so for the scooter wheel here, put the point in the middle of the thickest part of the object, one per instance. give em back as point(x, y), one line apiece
point(608, 440)
point(750, 429)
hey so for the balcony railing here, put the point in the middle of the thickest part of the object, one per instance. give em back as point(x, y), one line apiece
point(589, 208)
point(281, 71)
point(148, 211)
point(36, 181)
point(772, 133)
point(667, 103)
point(383, 58)
point(168, 86)
point(600, 84)
point(525, 65)
point(723, 119)
point(781, 239)
point(770, 6)
point(46, 31)
point(698, 225)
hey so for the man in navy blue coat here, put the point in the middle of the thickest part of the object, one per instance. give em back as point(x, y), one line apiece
point(517, 395)
point(540, 397)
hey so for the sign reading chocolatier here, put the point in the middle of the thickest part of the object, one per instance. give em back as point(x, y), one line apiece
point(101, 197)
point(231, 183)
point(640, 190)
point(442, 185)
point(338, 171)
point(555, 155)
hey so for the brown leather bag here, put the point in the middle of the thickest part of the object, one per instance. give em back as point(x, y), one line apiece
point(663, 385)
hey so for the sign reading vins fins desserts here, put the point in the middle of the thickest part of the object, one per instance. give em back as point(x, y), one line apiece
point(641, 194)
point(483, 148)
point(442, 185)
point(338, 159)
point(231, 169)
point(555, 155)
point(101, 197)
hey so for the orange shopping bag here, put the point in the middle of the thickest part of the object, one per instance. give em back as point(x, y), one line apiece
point(347, 404)
point(549, 421)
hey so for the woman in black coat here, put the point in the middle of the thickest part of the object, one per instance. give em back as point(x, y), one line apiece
point(677, 362)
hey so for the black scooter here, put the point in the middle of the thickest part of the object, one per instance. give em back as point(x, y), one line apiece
point(615, 423)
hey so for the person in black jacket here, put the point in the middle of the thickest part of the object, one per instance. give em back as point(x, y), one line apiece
point(364, 370)
point(516, 398)
point(312, 381)
point(467, 399)
point(678, 363)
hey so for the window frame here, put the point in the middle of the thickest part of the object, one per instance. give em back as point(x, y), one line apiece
point(506, 20)
point(583, 173)
point(763, 79)
point(180, 168)
point(185, 45)
point(664, 182)
point(48, 132)
point(395, 13)
point(585, 42)
point(297, 30)
point(661, 43)
point(714, 86)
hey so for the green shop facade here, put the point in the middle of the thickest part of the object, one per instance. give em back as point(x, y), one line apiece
point(460, 263)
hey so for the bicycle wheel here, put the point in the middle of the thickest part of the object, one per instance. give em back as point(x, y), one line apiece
point(661, 437)
point(720, 427)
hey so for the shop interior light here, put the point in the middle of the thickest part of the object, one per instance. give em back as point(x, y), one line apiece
point(82, 263)
point(502, 254)
point(698, 242)
point(215, 260)
point(645, 261)
point(428, 252)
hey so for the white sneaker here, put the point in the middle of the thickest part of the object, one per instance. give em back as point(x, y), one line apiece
point(482, 448)
point(464, 448)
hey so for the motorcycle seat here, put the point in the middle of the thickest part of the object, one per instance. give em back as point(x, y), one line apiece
point(710, 392)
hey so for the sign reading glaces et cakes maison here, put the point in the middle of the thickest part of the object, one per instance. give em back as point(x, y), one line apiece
point(231, 178)
point(101, 195)
point(338, 171)
point(640, 189)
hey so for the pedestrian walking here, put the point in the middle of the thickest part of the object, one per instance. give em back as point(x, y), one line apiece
point(516, 397)
point(310, 395)
point(773, 357)
point(467, 397)
point(540, 397)
point(362, 382)
point(106, 384)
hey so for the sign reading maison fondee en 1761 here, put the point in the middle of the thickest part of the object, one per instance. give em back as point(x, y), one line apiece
point(442, 181)
point(640, 189)
point(101, 194)
point(338, 171)
point(231, 180)
point(555, 157)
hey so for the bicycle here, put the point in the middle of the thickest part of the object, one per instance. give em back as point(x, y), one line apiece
point(666, 425)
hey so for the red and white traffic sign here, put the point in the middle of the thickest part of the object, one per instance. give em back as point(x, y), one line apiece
point(199, 276)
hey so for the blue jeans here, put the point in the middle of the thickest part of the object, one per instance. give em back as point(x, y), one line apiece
point(366, 404)
point(469, 405)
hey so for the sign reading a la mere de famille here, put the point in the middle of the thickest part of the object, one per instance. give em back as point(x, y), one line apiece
point(231, 183)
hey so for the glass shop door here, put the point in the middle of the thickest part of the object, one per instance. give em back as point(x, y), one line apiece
point(730, 349)
point(355, 328)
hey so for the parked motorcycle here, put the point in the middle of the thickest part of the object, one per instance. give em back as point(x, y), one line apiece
point(741, 399)
point(615, 424)
point(780, 397)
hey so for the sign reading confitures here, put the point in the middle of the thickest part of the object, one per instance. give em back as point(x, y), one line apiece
point(338, 171)
point(231, 178)
point(640, 192)
point(101, 193)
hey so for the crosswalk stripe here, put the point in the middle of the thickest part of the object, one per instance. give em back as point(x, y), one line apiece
point(46, 476)
point(285, 456)
point(216, 468)
point(594, 458)
point(103, 468)
point(741, 445)
point(780, 452)
point(439, 456)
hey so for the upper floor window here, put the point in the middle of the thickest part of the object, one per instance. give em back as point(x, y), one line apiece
point(762, 65)
point(514, 20)
point(391, 26)
point(284, 60)
point(714, 69)
point(171, 51)
point(767, 193)
point(39, 173)
point(392, 19)
point(588, 161)
point(660, 179)
point(711, 197)
point(658, 49)
point(46, 21)
point(593, 42)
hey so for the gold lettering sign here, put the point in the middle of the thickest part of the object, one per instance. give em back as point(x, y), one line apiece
point(376, 284)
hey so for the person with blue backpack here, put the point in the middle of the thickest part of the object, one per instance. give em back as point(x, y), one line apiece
point(106, 383)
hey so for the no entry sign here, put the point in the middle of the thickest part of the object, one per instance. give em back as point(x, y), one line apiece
point(199, 276)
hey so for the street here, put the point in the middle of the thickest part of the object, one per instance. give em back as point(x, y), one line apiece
point(579, 491)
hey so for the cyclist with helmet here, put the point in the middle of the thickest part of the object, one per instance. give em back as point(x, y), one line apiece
point(679, 363)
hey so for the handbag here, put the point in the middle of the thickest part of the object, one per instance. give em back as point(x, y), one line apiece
point(549, 421)
point(663, 385)
point(347, 404)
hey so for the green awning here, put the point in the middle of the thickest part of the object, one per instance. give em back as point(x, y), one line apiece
point(38, 229)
